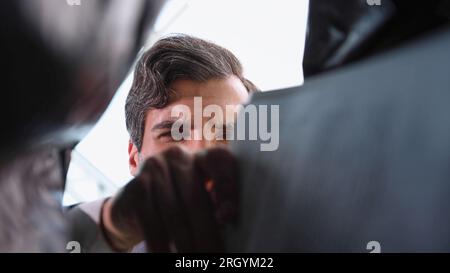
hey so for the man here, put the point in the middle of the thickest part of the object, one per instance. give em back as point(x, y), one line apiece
point(178, 197)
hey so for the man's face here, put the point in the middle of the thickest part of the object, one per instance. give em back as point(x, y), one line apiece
point(158, 124)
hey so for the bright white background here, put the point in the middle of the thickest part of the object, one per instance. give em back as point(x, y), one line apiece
point(266, 35)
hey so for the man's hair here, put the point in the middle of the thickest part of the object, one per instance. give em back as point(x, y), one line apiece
point(179, 57)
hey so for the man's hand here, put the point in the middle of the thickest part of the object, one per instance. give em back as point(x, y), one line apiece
point(177, 202)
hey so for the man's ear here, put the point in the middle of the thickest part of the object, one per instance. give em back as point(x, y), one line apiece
point(133, 158)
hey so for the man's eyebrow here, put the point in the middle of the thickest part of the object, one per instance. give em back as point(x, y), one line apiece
point(166, 124)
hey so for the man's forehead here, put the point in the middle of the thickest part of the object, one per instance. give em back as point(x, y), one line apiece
point(155, 116)
point(158, 116)
point(164, 113)
point(228, 88)
point(221, 92)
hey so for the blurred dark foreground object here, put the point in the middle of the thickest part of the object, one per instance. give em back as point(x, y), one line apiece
point(182, 199)
point(61, 66)
point(343, 32)
point(364, 155)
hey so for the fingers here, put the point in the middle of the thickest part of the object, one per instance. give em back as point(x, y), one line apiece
point(149, 216)
point(197, 202)
point(134, 211)
point(219, 166)
point(179, 199)
point(168, 202)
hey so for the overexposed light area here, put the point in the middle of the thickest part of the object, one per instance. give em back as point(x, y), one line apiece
point(266, 35)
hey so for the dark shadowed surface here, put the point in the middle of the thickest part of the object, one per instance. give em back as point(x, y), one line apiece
point(340, 33)
point(364, 156)
point(61, 65)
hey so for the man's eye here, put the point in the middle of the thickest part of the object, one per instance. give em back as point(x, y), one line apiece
point(182, 131)
point(220, 134)
point(224, 132)
point(174, 135)
point(166, 135)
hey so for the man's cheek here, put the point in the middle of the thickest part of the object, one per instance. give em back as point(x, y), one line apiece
point(164, 145)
